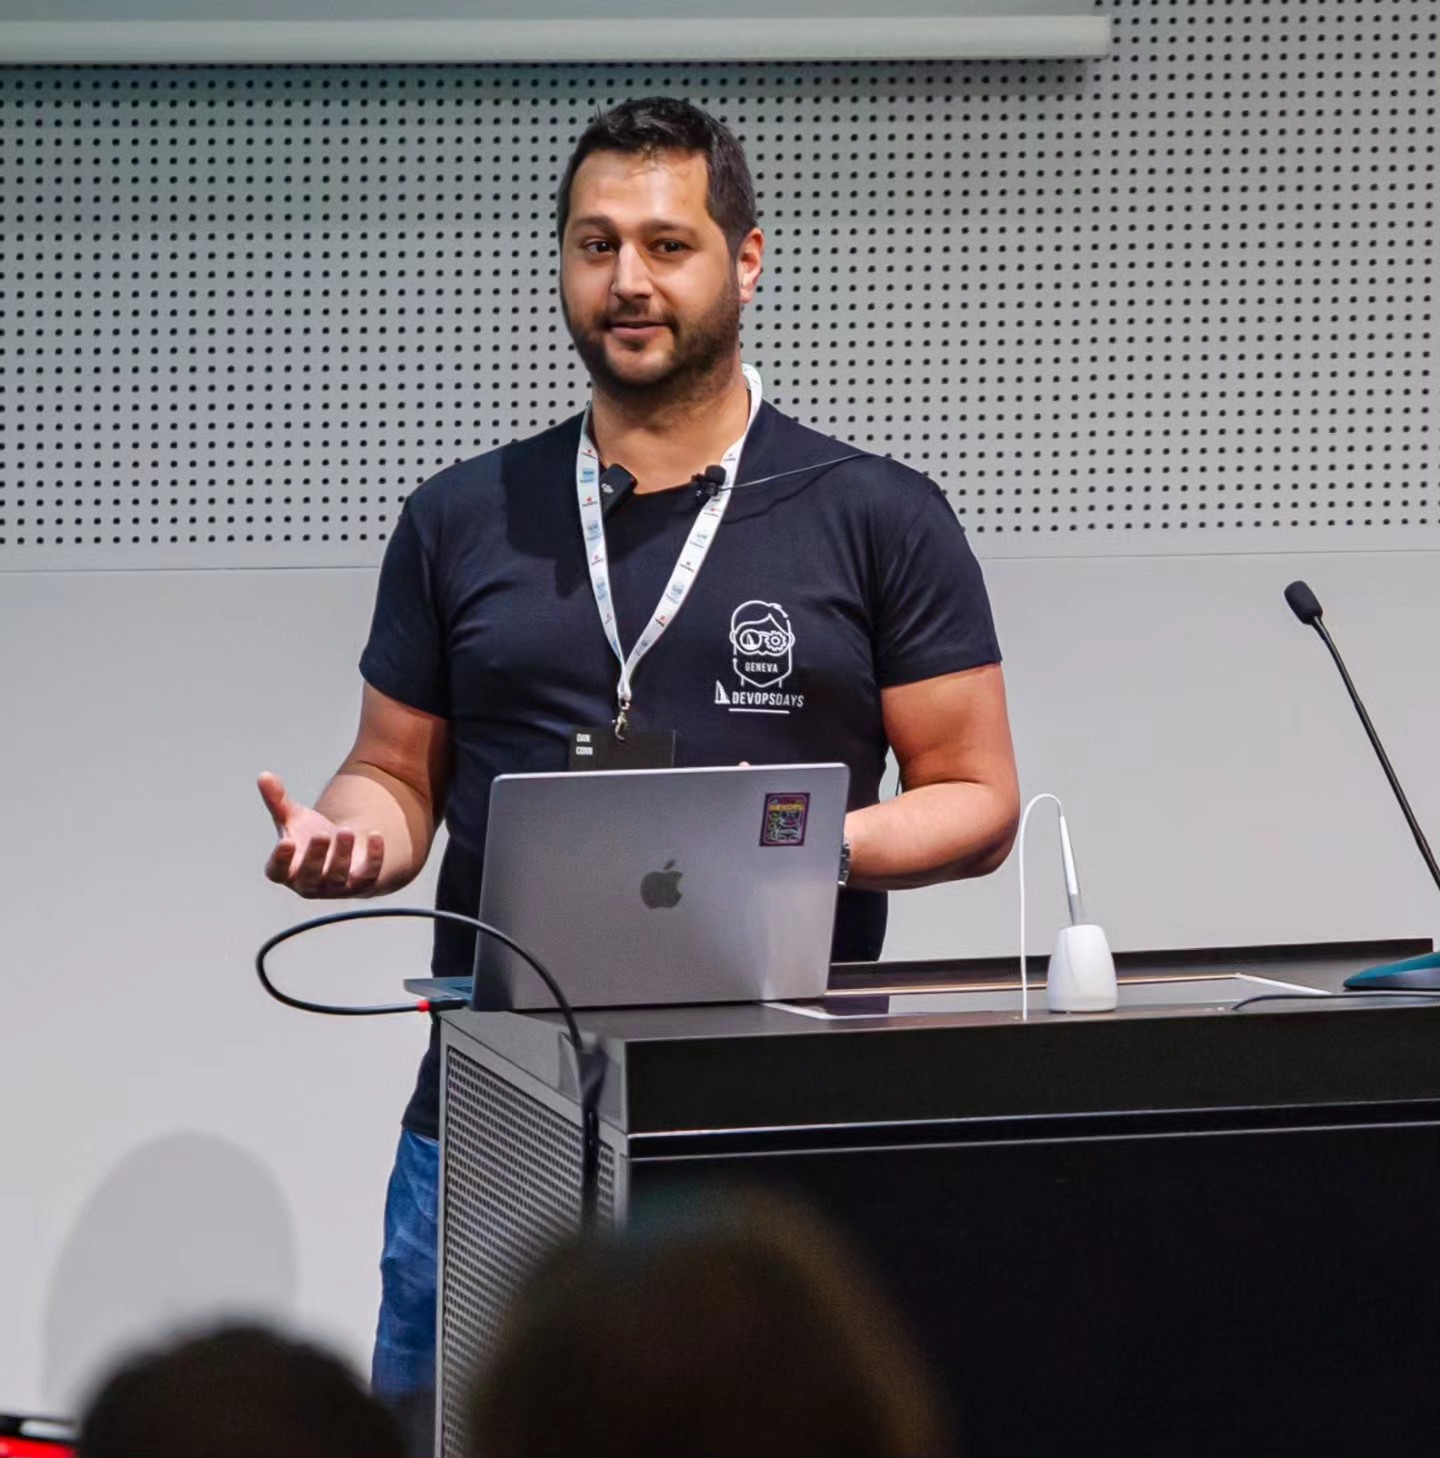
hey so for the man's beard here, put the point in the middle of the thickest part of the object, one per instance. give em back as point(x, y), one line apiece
point(702, 351)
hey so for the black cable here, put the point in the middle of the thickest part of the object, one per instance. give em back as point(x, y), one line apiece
point(799, 471)
point(376, 913)
point(590, 1063)
point(1381, 992)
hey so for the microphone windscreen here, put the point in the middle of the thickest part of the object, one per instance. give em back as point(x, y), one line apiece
point(715, 475)
point(1303, 603)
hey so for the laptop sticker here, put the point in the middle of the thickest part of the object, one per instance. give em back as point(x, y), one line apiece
point(785, 817)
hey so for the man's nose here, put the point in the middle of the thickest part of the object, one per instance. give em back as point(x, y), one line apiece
point(632, 278)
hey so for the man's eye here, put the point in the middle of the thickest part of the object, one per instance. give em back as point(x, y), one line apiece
point(595, 245)
point(670, 245)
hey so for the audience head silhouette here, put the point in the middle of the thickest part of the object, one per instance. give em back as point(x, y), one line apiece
point(743, 1328)
point(236, 1392)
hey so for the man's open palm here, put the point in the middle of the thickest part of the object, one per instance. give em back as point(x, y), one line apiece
point(314, 856)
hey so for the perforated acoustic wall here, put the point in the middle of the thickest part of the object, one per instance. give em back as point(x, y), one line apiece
point(1179, 300)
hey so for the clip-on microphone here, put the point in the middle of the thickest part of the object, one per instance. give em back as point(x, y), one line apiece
point(707, 483)
point(1415, 974)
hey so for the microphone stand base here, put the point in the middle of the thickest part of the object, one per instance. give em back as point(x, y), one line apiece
point(1414, 974)
point(1081, 977)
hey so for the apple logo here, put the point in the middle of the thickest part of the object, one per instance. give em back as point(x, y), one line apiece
point(660, 890)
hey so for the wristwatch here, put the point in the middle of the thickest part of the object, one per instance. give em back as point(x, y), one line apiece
point(845, 861)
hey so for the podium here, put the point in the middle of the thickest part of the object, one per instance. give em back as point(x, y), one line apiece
point(1171, 1229)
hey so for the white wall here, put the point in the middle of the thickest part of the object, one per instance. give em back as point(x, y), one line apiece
point(173, 1142)
point(137, 1051)
point(1219, 787)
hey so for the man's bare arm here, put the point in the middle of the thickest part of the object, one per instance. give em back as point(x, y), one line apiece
point(961, 800)
point(371, 830)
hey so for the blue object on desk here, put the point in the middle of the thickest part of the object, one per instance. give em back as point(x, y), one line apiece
point(1414, 974)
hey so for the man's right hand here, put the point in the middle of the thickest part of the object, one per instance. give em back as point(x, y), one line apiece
point(314, 857)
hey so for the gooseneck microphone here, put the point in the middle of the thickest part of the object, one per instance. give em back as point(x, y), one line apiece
point(1306, 606)
point(1418, 972)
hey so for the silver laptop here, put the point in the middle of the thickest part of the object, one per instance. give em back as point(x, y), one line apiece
point(649, 887)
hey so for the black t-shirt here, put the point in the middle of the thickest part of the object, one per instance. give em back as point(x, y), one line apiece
point(820, 590)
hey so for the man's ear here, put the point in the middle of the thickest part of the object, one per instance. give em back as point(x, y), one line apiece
point(749, 263)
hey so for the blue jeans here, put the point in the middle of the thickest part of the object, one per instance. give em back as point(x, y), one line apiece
point(403, 1371)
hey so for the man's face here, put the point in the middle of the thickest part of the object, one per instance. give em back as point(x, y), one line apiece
point(650, 289)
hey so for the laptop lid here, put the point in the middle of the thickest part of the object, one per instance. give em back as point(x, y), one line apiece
point(653, 887)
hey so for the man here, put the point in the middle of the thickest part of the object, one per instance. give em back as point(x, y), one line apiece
point(837, 609)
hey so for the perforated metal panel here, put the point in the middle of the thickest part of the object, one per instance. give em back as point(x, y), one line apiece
point(1182, 299)
point(511, 1190)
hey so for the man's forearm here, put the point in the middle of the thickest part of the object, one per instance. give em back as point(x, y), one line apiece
point(940, 832)
point(366, 798)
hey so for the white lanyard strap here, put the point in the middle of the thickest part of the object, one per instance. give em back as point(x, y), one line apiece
point(687, 568)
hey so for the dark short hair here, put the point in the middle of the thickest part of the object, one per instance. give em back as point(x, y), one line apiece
point(742, 1325)
point(235, 1392)
point(662, 124)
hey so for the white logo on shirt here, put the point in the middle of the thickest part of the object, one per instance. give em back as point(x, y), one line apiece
point(763, 643)
point(762, 646)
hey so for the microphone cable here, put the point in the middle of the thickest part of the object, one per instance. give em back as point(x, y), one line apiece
point(1020, 866)
point(707, 483)
point(590, 1063)
point(1319, 995)
point(797, 470)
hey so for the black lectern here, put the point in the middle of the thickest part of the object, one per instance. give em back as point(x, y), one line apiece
point(1174, 1229)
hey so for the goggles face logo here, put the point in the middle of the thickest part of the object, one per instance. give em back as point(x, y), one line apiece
point(763, 643)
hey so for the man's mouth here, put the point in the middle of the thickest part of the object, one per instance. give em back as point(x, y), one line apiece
point(635, 327)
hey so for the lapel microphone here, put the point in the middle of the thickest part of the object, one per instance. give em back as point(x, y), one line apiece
point(707, 483)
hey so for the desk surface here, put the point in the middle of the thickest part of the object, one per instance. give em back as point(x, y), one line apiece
point(757, 1065)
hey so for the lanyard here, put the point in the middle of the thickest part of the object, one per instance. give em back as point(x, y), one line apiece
point(687, 568)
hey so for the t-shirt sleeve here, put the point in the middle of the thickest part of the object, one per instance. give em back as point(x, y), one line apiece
point(933, 614)
point(405, 656)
